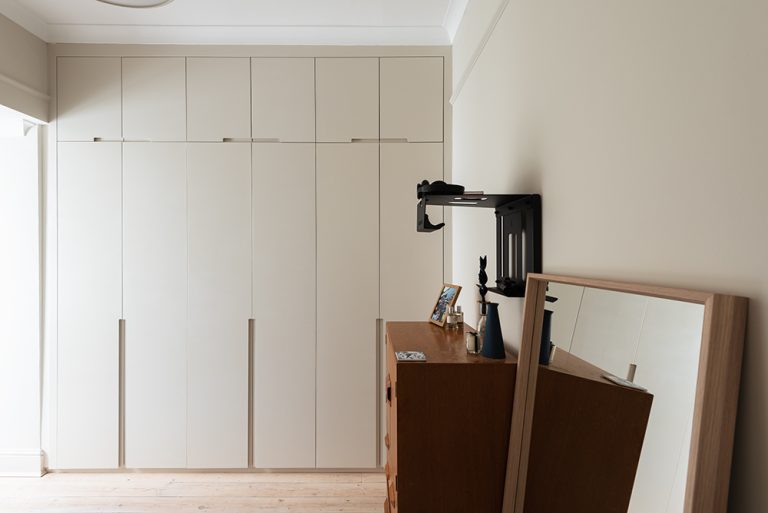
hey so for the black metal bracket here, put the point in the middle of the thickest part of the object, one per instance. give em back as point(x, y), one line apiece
point(518, 232)
point(422, 219)
point(518, 244)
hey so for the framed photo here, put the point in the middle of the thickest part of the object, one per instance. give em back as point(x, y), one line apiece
point(448, 296)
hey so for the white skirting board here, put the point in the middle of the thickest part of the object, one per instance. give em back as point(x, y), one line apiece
point(21, 464)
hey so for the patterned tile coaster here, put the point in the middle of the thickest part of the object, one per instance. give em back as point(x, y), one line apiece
point(410, 356)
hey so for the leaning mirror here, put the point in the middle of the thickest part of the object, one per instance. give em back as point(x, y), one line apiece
point(625, 398)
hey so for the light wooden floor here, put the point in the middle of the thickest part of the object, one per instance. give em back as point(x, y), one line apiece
point(188, 492)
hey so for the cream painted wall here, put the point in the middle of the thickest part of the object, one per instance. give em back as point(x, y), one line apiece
point(643, 125)
point(23, 71)
point(19, 302)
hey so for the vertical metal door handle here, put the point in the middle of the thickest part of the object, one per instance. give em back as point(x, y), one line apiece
point(251, 328)
point(121, 393)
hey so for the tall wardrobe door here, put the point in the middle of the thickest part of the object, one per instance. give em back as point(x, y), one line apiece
point(89, 96)
point(284, 305)
point(625, 312)
point(411, 262)
point(89, 304)
point(283, 99)
point(348, 304)
point(347, 99)
point(219, 304)
point(667, 365)
point(154, 99)
point(412, 98)
point(218, 98)
point(155, 309)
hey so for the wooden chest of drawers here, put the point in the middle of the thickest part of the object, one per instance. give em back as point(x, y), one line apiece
point(447, 423)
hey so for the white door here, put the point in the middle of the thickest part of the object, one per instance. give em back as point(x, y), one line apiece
point(412, 98)
point(88, 99)
point(667, 364)
point(283, 99)
point(89, 304)
point(155, 309)
point(411, 262)
point(347, 304)
point(284, 305)
point(608, 317)
point(154, 99)
point(218, 98)
point(219, 303)
point(347, 99)
point(565, 312)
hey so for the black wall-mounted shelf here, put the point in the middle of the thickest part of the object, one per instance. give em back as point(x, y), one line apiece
point(518, 232)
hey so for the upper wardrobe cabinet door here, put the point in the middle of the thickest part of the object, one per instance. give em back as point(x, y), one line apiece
point(154, 99)
point(412, 98)
point(347, 99)
point(218, 99)
point(283, 99)
point(89, 99)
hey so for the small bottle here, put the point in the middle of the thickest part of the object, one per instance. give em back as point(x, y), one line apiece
point(451, 319)
point(459, 317)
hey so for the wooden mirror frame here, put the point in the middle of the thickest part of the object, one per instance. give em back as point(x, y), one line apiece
point(717, 389)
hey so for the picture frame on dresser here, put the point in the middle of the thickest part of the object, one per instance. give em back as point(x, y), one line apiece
point(449, 293)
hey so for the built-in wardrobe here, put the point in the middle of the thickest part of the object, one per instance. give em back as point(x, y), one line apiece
point(231, 234)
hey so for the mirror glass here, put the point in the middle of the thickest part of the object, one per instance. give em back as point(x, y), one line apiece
point(655, 344)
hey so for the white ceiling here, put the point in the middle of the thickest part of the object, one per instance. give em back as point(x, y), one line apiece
point(346, 22)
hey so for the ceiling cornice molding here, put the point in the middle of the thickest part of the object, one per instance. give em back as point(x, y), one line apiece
point(453, 17)
point(22, 16)
point(459, 85)
point(237, 35)
point(256, 35)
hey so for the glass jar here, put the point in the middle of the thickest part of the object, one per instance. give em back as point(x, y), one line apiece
point(481, 331)
point(451, 319)
point(459, 317)
point(471, 341)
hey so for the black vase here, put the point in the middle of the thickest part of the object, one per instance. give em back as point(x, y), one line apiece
point(493, 345)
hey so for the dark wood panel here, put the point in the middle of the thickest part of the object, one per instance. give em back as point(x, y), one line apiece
point(586, 440)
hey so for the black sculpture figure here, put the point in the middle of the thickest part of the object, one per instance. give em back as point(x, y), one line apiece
point(483, 278)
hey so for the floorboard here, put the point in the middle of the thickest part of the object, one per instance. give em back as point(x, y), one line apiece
point(194, 492)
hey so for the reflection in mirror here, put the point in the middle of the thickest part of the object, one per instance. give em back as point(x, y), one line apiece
point(654, 343)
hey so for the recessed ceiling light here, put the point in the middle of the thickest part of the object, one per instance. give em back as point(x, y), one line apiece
point(136, 4)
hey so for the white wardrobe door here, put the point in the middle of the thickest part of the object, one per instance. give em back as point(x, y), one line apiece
point(284, 305)
point(348, 304)
point(88, 98)
point(411, 262)
point(667, 364)
point(219, 249)
point(89, 304)
point(155, 309)
point(412, 98)
point(608, 318)
point(565, 312)
point(347, 99)
point(218, 98)
point(283, 99)
point(154, 99)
